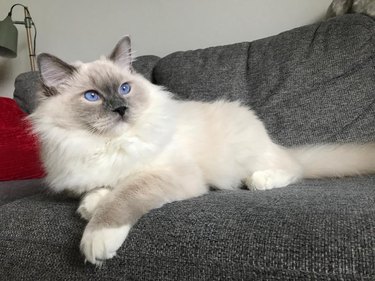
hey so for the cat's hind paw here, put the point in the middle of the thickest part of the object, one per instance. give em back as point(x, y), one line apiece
point(268, 179)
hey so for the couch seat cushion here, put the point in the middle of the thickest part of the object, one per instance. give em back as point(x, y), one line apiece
point(313, 230)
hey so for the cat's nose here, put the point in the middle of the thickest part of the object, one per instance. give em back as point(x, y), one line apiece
point(120, 110)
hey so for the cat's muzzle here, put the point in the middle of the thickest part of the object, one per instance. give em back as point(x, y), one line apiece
point(120, 110)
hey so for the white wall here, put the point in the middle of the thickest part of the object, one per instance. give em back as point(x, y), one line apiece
point(84, 29)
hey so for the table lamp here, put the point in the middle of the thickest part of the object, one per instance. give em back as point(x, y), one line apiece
point(9, 36)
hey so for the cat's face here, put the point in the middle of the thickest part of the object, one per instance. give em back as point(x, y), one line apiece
point(103, 97)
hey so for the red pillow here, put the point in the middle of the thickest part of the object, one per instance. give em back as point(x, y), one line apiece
point(19, 150)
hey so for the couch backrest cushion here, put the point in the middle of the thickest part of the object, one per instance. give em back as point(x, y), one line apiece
point(312, 84)
point(145, 65)
point(26, 86)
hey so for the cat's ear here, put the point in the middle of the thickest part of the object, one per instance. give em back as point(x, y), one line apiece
point(53, 70)
point(121, 54)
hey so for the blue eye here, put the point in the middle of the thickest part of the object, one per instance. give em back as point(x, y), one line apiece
point(91, 96)
point(125, 89)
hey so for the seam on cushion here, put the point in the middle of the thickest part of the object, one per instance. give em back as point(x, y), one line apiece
point(310, 48)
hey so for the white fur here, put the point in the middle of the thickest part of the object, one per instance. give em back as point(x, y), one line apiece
point(90, 202)
point(100, 244)
point(335, 160)
point(268, 179)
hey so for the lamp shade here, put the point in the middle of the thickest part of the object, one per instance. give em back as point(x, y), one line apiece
point(8, 38)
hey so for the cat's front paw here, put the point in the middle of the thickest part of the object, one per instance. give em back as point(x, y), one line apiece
point(101, 244)
point(90, 201)
point(84, 212)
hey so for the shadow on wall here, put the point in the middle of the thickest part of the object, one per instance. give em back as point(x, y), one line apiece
point(6, 69)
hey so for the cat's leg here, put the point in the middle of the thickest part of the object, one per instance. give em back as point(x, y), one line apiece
point(90, 201)
point(274, 169)
point(120, 209)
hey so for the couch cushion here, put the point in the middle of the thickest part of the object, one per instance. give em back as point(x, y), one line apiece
point(25, 87)
point(312, 84)
point(313, 230)
point(16, 189)
point(145, 65)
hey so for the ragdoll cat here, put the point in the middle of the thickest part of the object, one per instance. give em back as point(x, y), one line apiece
point(128, 147)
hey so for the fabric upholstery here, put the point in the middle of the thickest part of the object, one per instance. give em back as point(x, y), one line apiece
point(145, 65)
point(16, 189)
point(25, 89)
point(312, 84)
point(315, 230)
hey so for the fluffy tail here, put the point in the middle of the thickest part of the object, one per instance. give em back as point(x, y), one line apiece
point(333, 160)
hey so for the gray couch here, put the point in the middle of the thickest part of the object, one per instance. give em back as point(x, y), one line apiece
point(312, 84)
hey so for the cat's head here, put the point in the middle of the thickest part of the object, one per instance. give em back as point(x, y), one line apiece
point(103, 97)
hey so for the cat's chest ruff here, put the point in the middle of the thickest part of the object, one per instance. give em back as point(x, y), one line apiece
point(120, 152)
point(94, 163)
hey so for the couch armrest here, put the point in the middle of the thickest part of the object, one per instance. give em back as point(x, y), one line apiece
point(13, 190)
